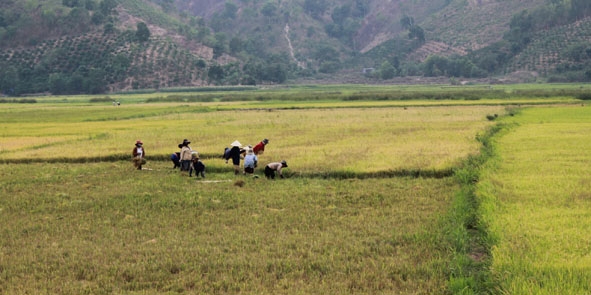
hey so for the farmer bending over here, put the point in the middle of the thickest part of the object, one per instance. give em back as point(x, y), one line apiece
point(275, 166)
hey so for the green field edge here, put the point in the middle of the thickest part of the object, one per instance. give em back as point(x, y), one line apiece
point(465, 231)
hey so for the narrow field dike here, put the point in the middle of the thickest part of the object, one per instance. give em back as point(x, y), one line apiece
point(466, 230)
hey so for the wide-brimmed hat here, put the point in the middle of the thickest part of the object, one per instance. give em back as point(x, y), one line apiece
point(283, 163)
point(186, 141)
point(139, 142)
point(236, 143)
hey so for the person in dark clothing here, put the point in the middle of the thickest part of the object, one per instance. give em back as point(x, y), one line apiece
point(197, 166)
point(235, 154)
point(176, 158)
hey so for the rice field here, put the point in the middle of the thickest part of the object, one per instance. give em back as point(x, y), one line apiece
point(371, 202)
point(538, 197)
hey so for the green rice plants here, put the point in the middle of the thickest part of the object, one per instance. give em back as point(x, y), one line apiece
point(534, 194)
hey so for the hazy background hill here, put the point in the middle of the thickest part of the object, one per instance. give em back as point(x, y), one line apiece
point(94, 46)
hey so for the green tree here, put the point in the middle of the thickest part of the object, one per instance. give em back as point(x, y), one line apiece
point(276, 72)
point(71, 3)
point(167, 5)
point(340, 13)
point(90, 5)
point(119, 64)
point(76, 83)
point(107, 7)
point(435, 66)
point(9, 79)
point(520, 30)
point(361, 8)
point(96, 81)
point(78, 19)
point(142, 33)
point(329, 67)
point(230, 10)
point(315, 8)
point(254, 69)
point(407, 22)
point(57, 84)
point(219, 46)
point(236, 45)
point(98, 18)
point(325, 52)
point(580, 8)
point(3, 22)
point(109, 28)
point(215, 73)
point(269, 9)
point(201, 64)
point(387, 70)
point(416, 32)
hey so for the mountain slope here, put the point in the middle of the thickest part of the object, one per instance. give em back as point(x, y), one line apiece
point(92, 46)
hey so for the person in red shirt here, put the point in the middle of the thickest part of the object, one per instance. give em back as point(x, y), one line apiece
point(260, 147)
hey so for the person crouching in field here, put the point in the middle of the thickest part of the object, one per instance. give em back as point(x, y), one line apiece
point(138, 155)
point(275, 166)
point(197, 166)
point(250, 161)
point(176, 158)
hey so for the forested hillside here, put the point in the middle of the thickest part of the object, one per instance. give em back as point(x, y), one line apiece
point(96, 46)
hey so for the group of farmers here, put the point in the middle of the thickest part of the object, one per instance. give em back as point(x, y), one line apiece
point(188, 160)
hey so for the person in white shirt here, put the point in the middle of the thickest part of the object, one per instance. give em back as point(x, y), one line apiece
point(138, 155)
point(250, 161)
point(186, 155)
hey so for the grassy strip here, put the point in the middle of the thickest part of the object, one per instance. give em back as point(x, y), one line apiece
point(23, 100)
point(368, 95)
point(466, 233)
